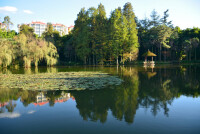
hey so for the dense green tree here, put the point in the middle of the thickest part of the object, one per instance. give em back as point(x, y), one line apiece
point(26, 49)
point(34, 50)
point(6, 52)
point(155, 33)
point(97, 39)
point(69, 53)
point(118, 33)
point(92, 22)
point(51, 54)
point(131, 48)
point(195, 44)
point(53, 36)
point(174, 43)
point(7, 34)
point(101, 31)
point(189, 45)
point(26, 30)
point(81, 36)
point(48, 34)
point(164, 33)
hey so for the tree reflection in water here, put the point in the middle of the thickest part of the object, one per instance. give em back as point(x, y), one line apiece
point(151, 89)
point(121, 100)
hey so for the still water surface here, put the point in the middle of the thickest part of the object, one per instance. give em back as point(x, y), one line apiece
point(165, 99)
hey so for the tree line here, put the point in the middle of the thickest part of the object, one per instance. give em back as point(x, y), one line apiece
point(98, 40)
point(25, 49)
point(168, 42)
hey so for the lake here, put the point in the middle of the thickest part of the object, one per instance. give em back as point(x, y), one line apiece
point(164, 99)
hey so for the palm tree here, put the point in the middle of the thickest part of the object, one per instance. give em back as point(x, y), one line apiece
point(7, 22)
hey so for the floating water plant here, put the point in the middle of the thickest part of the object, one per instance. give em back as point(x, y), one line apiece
point(59, 81)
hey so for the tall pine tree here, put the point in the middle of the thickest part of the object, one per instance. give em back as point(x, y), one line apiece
point(132, 43)
point(118, 33)
point(81, 36)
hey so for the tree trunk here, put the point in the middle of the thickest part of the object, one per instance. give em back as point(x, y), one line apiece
point(110, 59)
point(157, 51)
point(89, 60)
point(96, 60)
point(165, 54)
point(93, 61)
point(117, 61)
point(160, 53)
point(85, 60)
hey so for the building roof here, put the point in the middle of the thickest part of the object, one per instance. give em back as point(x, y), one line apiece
point(3, 104)
point(70, 26)
point(58, 25)
point(38, 22)
point(62, 100)
point(149, 54)
point(41, 103)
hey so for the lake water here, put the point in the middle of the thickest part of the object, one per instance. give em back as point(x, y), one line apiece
point(164, 99)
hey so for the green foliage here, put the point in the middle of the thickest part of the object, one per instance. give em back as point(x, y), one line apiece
point(51, 54)
point(26, 30)
point(97, 39)
point(7, 34)
point(33, 50)
point(81, 35)
point(132, 45)
point(118, 33)
point(27, 47)
point(6, 53)
point(163, 34)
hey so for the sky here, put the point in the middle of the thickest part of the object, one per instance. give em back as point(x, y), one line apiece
point(183, 13)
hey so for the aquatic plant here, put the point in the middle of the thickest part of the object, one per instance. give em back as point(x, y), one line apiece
point(59, 81)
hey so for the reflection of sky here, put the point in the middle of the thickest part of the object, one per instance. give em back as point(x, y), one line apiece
point(65, 117)
point(10, 115)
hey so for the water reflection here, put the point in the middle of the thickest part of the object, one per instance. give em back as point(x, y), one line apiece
point(9, 96)
point(35, 70)
point(150, 89)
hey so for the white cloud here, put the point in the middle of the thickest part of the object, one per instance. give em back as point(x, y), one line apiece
point(8, 9)
point(28, 12)
point(9, 115)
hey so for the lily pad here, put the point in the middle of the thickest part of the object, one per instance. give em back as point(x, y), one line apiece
point(59, 81)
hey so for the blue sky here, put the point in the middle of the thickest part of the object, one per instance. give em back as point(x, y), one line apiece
point(183, 13)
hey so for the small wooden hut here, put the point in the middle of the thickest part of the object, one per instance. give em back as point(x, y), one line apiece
point(149, 54)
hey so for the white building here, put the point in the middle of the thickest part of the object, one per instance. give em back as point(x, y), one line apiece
point(62, 29)
point(40, 27)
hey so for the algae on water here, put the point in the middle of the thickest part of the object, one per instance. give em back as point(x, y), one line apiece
point(59, 81)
